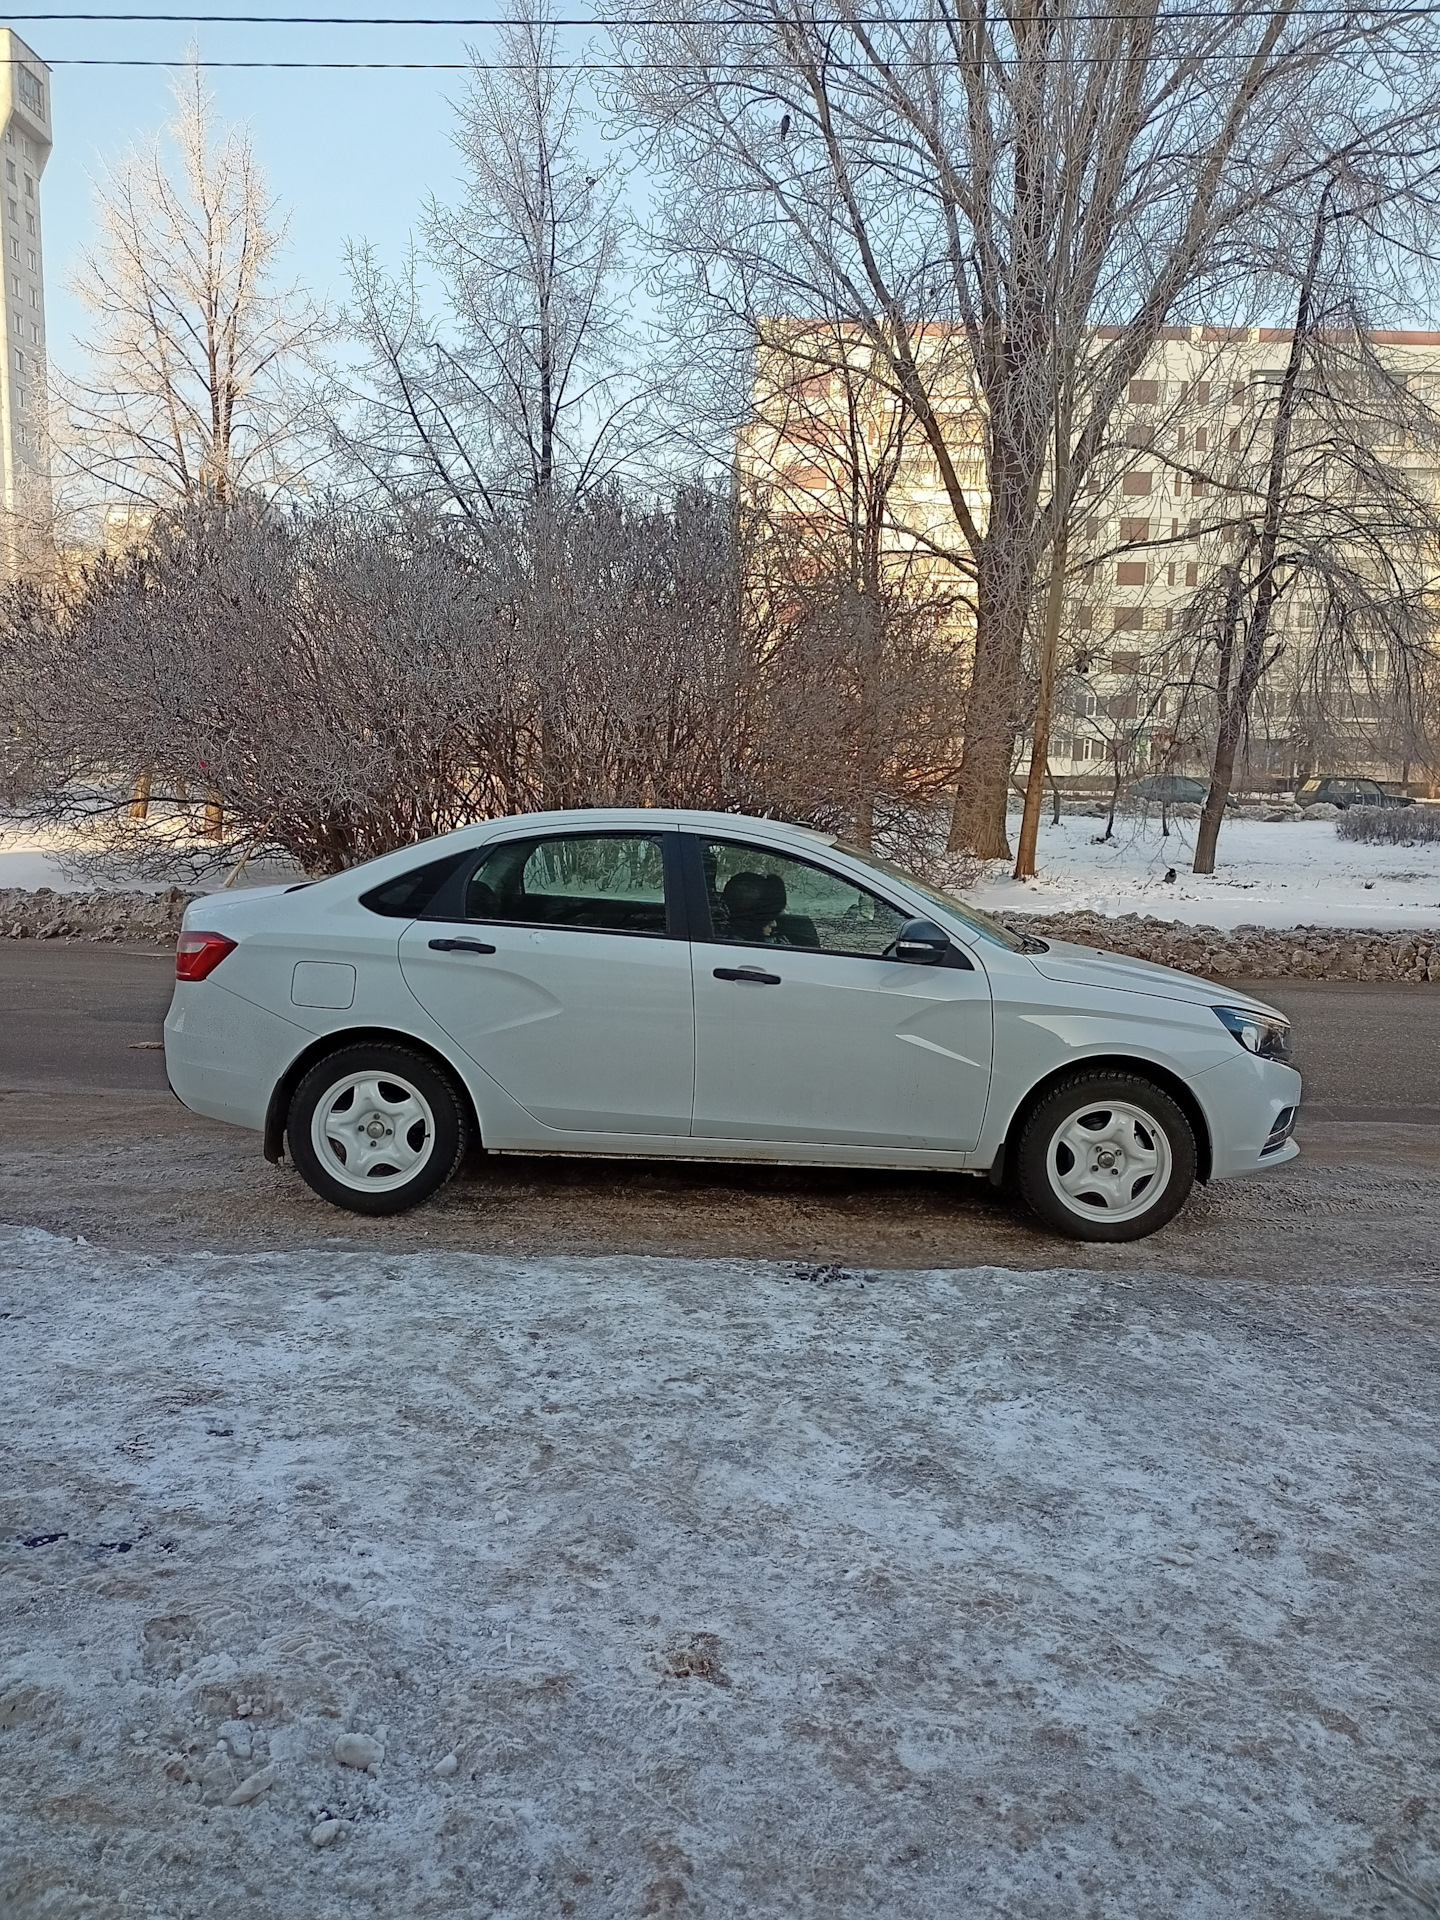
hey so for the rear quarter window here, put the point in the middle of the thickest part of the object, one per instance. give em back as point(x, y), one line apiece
point(410, 896)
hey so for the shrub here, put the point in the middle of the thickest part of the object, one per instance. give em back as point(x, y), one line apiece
point(1395, 826)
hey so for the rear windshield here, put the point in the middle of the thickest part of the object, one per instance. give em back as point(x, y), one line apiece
point(984, 924)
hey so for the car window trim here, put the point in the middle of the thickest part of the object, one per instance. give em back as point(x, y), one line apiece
point(450, 901)
point(697, 898)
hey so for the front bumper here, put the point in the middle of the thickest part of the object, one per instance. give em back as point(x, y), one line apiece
point(1251, 1105)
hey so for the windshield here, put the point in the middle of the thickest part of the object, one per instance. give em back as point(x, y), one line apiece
point(985, 924)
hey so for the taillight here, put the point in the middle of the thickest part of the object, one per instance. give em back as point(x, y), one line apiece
point(198, 954)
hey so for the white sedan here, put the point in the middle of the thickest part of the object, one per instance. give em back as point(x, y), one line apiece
point(706, 986)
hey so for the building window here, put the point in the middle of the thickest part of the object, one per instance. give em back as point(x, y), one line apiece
point(34, 292)
point(1131, 573)
point(14, 247)
point(1144, 393)
point(30, 258)
point(34, 330)
point(32, 94)
point(1192, 573)
point(10, 174)
point(15, 284)
point(1127, 619)
point(1136, 483)
point(20, 396)
point(1133, 531)
point(14, 211)
point(19, 361)
point(30, 223)
point(1124, 663)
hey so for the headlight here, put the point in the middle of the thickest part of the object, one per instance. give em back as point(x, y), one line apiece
point(1264, 1034)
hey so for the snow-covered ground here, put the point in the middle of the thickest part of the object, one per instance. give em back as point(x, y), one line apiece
point(34, 856)
point(732, 1590)
point(1286, 874)
point(1277, 875)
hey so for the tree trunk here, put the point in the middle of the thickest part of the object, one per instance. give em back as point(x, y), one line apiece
point(1004, 588)
point(140, 796)
point(1235, 712)
point(1049, 648)
point(978, 823)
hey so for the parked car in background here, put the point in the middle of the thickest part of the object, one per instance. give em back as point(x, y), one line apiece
point(663, 984)
point(1348, 790)
point(1174, 790)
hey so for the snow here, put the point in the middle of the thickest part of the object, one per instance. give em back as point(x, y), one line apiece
point(735, 1589)
point(1280, 874)
point(1277, 875)
point(67, 860)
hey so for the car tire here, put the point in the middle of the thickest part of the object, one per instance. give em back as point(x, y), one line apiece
point(377, 1128)
point(1106, 1156)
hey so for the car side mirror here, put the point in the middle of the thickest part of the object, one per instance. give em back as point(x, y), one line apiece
point(922, 943)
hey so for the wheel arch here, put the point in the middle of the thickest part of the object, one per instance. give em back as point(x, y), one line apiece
point(1163, 1077)
point(284, 1088)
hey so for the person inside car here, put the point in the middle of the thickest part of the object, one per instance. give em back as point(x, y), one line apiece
point(753, 905)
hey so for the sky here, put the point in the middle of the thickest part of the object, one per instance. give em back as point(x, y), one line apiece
point(348, 155)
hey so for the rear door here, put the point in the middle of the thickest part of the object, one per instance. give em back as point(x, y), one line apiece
point(559, 964)
point(806, 1032)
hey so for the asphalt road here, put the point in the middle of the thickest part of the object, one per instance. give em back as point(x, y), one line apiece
point(97, 1144)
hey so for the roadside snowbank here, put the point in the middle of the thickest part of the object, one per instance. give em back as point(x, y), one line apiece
point(1273, 874)
point(731, 1589)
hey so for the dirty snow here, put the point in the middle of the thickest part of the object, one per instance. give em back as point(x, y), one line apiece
point(1268, 874)
point(733, 1589)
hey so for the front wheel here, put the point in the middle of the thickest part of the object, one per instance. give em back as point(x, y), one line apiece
point(1106, 1156)
point(376, 1128)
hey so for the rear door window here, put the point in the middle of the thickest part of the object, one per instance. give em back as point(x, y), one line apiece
point(601, 882)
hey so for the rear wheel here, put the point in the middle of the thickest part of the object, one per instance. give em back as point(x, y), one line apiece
point(376, 1128)
point(1106, 1156)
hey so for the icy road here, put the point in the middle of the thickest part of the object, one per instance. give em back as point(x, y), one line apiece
point(662, 1587)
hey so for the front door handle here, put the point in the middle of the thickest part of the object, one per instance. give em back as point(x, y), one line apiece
point(461, 946)
point(748, 976)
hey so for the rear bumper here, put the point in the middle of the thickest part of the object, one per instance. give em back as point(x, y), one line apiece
point(224, 1055)
point(1252, 1107)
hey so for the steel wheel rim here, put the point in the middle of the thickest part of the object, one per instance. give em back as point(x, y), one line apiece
point(373, 1131)
point(1109, 1160)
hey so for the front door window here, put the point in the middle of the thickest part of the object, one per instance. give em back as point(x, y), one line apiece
point(762, 899)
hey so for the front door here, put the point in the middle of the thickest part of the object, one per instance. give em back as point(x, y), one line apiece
point(559, 975)
point(806, 1032)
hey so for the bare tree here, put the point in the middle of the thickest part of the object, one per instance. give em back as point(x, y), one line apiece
point(531, 386)
point(867, 627)
point(333, 683)
point(979, 194)
point(1320, 525)
point(189, 390)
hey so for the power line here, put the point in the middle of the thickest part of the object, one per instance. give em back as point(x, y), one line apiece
point(1101, 16)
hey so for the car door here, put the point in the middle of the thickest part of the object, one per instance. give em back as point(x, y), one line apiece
point(806, 1032)
point(559, 963)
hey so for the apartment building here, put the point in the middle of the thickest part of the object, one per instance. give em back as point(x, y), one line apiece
point(25, 498)
point(1165, 510)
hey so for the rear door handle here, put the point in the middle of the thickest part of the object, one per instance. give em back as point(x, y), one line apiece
point(461, 946)
point(748, 976)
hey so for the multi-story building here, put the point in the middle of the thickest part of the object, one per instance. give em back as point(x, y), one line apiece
point(25, 499)
point(1165, 511)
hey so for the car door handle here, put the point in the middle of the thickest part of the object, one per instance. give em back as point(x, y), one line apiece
point(748, 976)
point(461, 946)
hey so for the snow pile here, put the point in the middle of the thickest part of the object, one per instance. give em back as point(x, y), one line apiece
point(1268, 873)
point(347, 1585)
